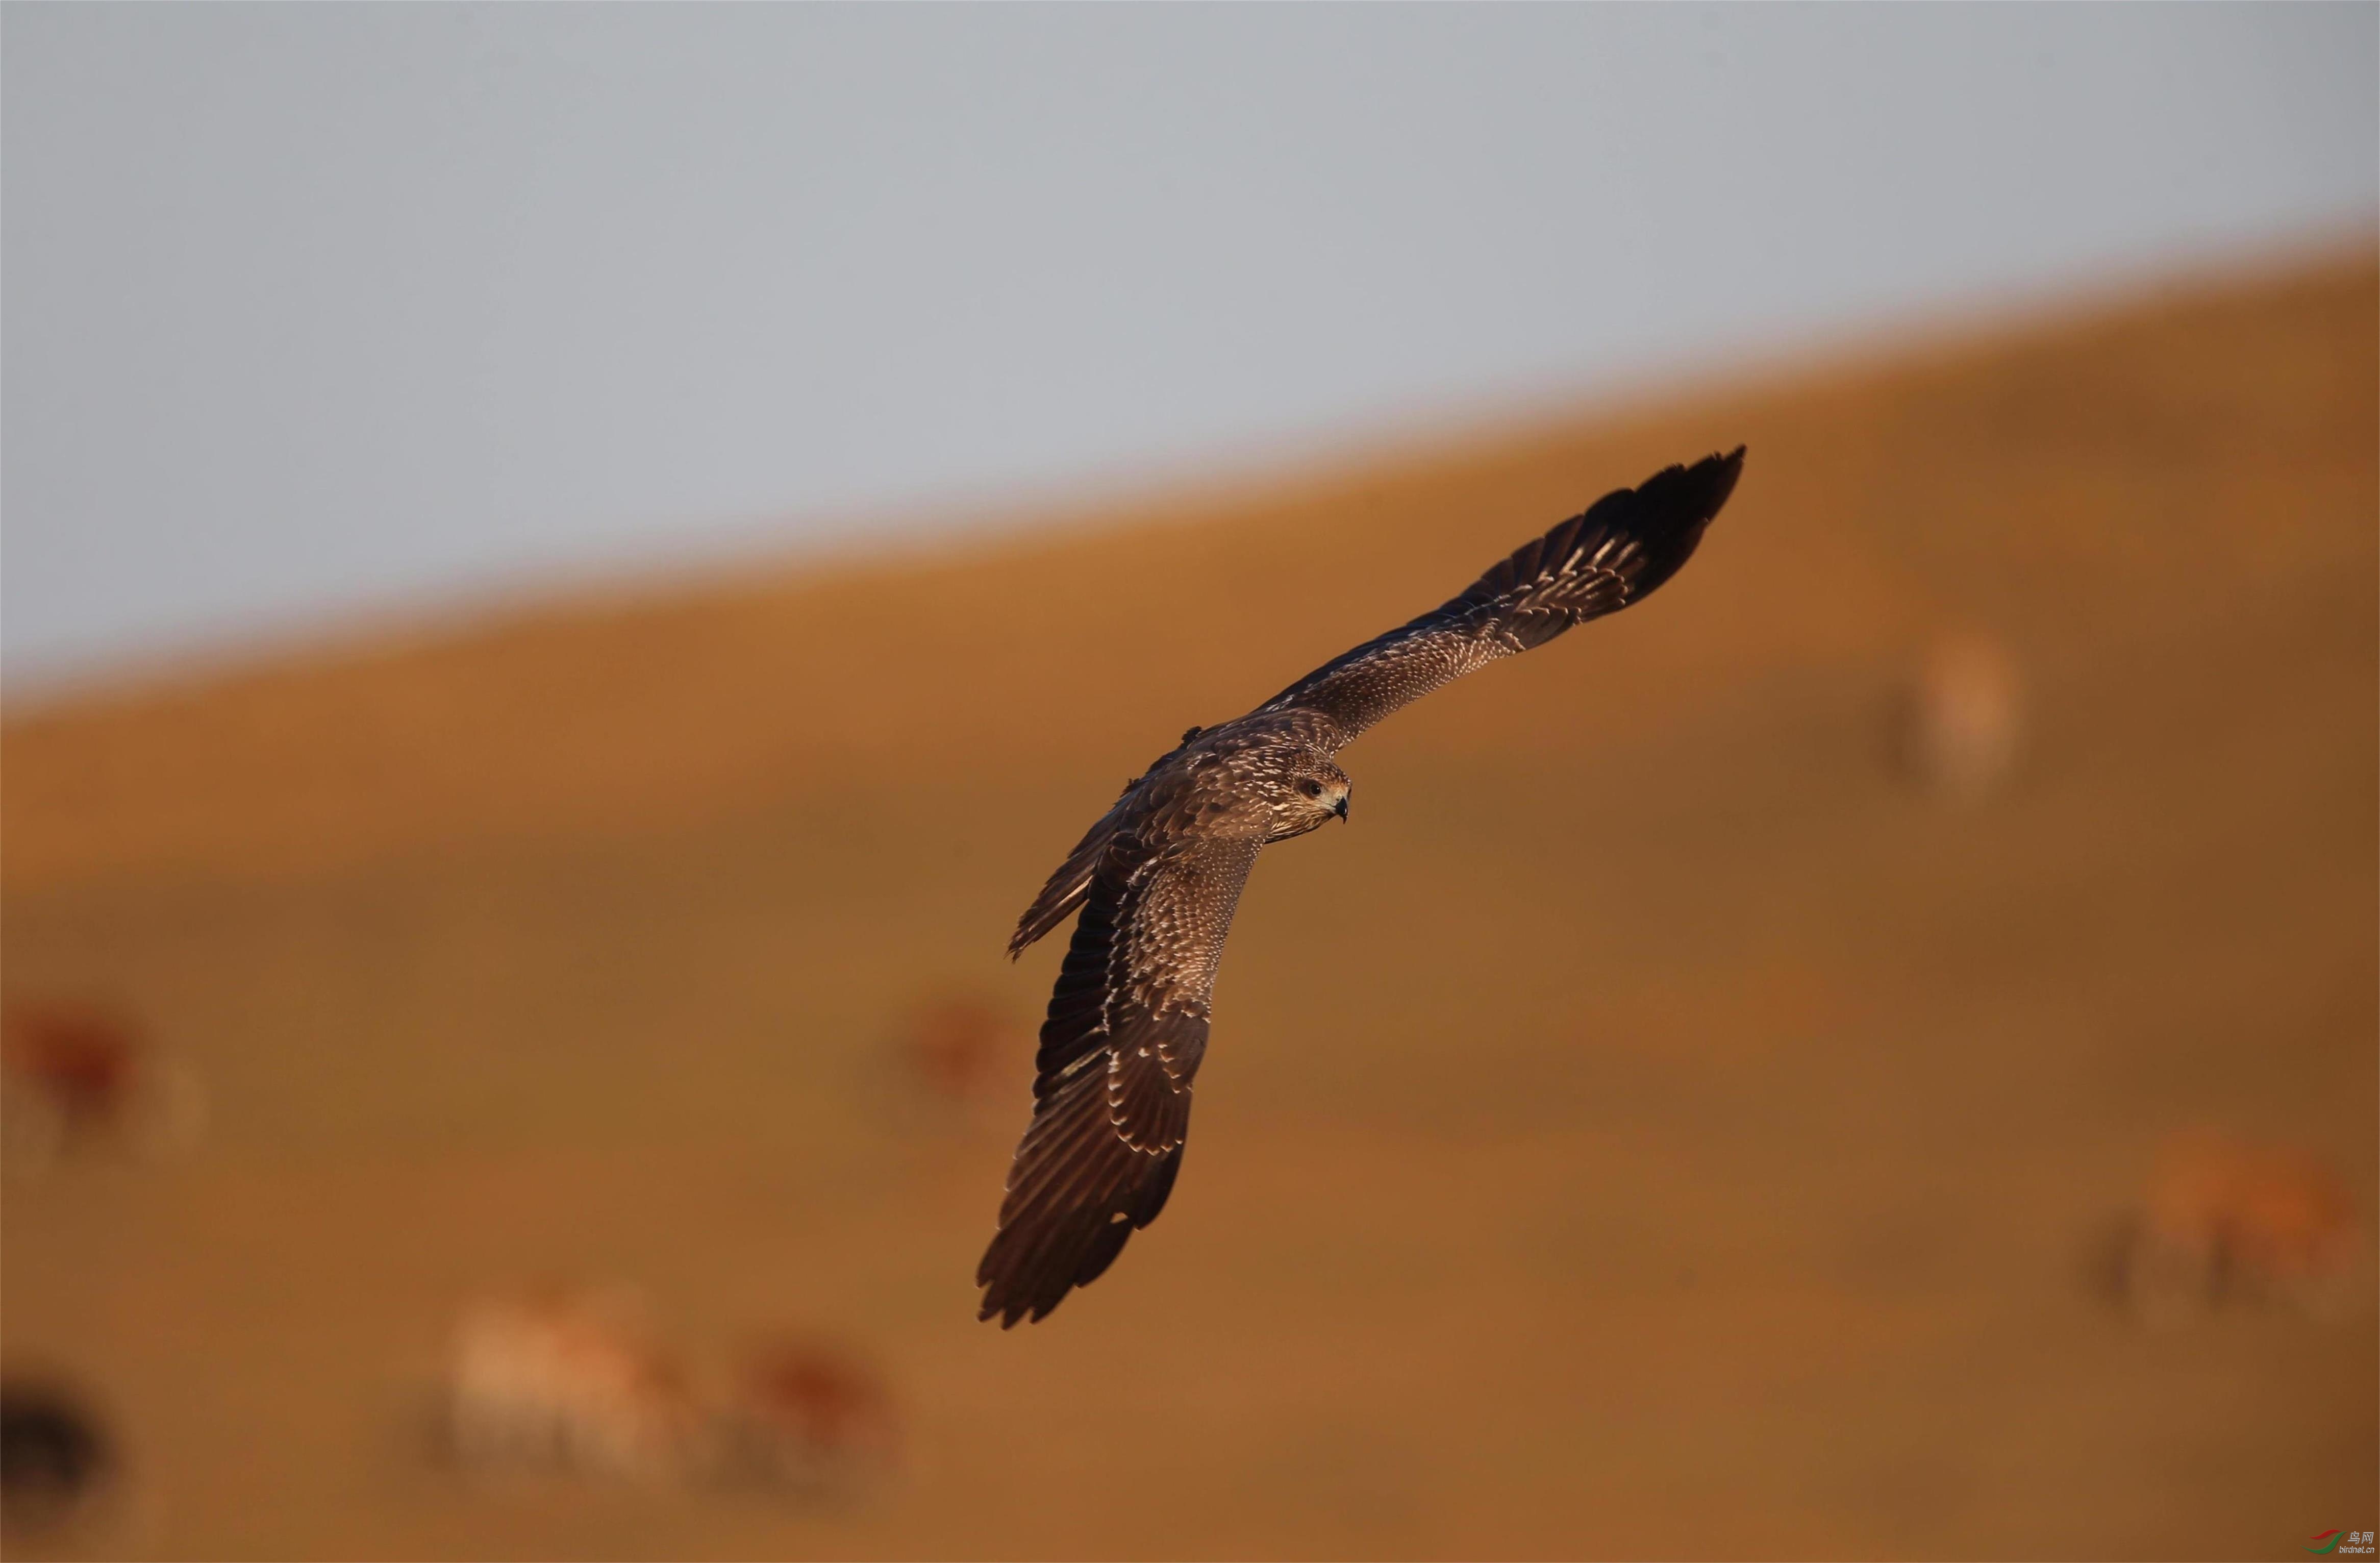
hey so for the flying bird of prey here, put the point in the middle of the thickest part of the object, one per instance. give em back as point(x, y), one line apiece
point(1157, 878)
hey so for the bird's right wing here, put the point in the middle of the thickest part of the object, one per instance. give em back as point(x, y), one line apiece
point(1613, 553)
point(1126, 1030)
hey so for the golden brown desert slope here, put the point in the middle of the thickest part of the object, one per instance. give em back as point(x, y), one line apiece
point(1651, 1129)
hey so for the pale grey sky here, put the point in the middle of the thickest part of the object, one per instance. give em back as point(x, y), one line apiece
point(307, 308)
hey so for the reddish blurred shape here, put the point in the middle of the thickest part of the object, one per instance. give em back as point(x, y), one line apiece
point(78, 1074)
point(810, 1414)
point(571, 1382)
point(83, 1057)
point(966, 1050)
point(2228, 1220)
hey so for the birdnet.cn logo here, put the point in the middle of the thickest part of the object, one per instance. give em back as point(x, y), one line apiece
point(2341, 1542)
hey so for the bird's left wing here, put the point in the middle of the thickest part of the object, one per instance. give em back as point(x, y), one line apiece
point(1599, 561)
point(1126, 1028)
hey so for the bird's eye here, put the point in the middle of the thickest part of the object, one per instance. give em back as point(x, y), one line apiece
point(1311, 788)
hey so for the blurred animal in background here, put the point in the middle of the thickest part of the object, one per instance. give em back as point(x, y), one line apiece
point(54, 1457)
point(575, 1383)
point(956, 1047)
point(1157, 878)
point(2227, 1221)
point(1958, 721)
point(76, 1078)
point(958, 1058)
point(572, 1383)
point(812, 1418)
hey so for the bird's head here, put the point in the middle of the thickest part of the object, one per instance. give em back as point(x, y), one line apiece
point(1307, 792)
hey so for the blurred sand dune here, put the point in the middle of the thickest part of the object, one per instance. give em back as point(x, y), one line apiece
point(1725, 1183)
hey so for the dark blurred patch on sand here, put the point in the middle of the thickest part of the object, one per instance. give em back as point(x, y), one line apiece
point(1652, 1130)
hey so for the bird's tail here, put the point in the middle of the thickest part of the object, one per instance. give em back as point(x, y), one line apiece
point(1063, 895)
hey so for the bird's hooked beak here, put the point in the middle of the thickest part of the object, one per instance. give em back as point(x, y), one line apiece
point(1340, 808)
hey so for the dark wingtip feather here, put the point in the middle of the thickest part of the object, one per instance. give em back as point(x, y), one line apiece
point(1039, 1261)
point(1685, 497)
point(1029, 1268)
point(1713, 477)
point(1670, 510)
